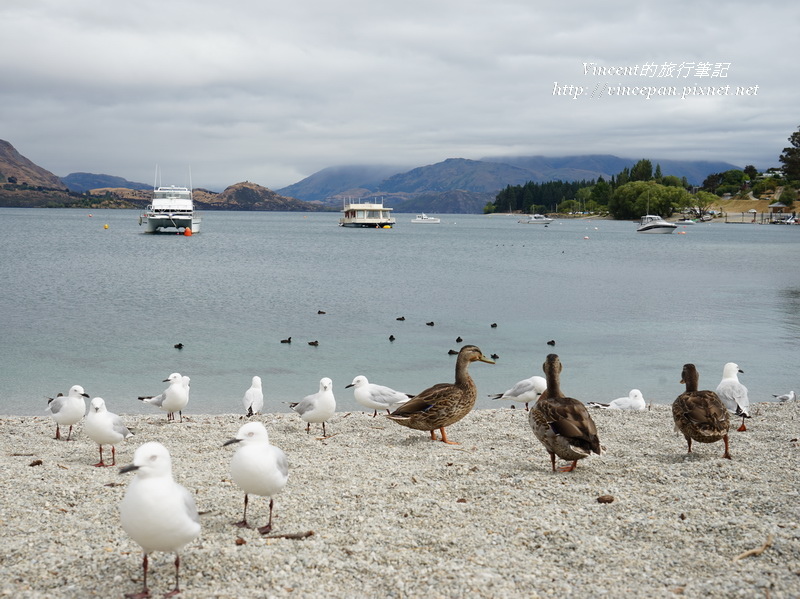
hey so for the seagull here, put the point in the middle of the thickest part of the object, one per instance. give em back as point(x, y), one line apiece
point(527, 390)
point(253, 399)
point(174, 398)
point(67, 409)
point(377, 397)
point(634, 401)
point(105, 428)
point(258, 467)
point(156, 512)
point(319, 407)
point(733, 394)
point(791, 396)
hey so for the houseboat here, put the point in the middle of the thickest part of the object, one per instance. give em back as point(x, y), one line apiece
point(372, 215)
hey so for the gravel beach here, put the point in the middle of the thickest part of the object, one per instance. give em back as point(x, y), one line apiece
point(394, 514)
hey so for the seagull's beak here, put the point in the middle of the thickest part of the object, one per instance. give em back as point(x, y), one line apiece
point(230, 442)
point(129, 468)
point(348, 386)
point(165, 381)
point(86, 395)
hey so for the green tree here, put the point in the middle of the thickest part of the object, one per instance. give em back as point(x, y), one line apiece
point(751, 172)
point(642, 171)
point(788, 196)
point(701, 202)
point(791, 158)
point(601, 192)
point(636, 198)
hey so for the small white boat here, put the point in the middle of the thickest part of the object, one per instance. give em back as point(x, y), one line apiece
point(536, 219)
point(652, 223)
point(685, 221)
point(372, 215)
point(424, 218)
point(171, 211)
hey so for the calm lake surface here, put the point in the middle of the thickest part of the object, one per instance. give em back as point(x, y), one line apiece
point(103, 308)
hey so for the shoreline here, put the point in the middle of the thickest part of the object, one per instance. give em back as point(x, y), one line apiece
point(396, 515)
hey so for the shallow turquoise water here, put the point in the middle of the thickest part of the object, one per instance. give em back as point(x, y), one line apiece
point(103, 307)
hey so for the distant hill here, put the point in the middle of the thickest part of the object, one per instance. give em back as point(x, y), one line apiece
point(455, 185)
point(592, 166)
point(456, 201)
point(488, 175)
point(15, 169)
point(85, 181)
point(336, 180)
point(249, 196)
point(456, 174)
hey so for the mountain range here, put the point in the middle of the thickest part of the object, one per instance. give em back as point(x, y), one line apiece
point(455, 185)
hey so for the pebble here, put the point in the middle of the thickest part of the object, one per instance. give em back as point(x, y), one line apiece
point(386, 508)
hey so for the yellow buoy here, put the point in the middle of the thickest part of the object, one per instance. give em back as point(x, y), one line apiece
point(105, 226)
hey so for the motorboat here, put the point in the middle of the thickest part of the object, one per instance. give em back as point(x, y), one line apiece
point(652, 223)
point(424, 218)
point(685, 221)
point(372, 215)
point(171, 211)
point(536, 219)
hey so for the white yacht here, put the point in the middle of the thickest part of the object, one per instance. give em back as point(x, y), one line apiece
point(171, 211)
point(424, 218)
point(536, 219)
point(372, 215)
point(652, 223)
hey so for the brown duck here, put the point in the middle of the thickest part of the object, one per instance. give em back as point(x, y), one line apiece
point(700, 415)
point(561, 423)
point(443, 404)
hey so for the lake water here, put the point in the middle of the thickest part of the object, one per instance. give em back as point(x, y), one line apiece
point(103, 308)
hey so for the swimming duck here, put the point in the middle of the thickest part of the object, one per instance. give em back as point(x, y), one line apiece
point(733, 394)
point(445, 403)
point(700, 415)
point(561, 423)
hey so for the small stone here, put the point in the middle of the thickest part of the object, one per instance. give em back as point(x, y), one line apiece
point(605, 499)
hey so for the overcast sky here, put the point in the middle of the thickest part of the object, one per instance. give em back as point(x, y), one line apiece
point(271, 92)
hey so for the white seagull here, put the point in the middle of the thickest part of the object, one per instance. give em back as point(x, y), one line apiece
point(733, 394)
point(319, 407)
point(791, 396)
point(258, 467)
point(174, 398)
point(253, 399)
point(377, 397)
point(634, 401)
point(527, 390)
point(157, 513)
point(67, 409)
point(105, 428)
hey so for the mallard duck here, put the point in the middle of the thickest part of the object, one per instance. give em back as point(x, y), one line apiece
point(700, 415)
point(561, 423)
point(443, 404)
point(733, 394)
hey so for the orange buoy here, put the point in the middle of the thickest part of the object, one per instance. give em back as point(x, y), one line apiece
point(187, 232)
